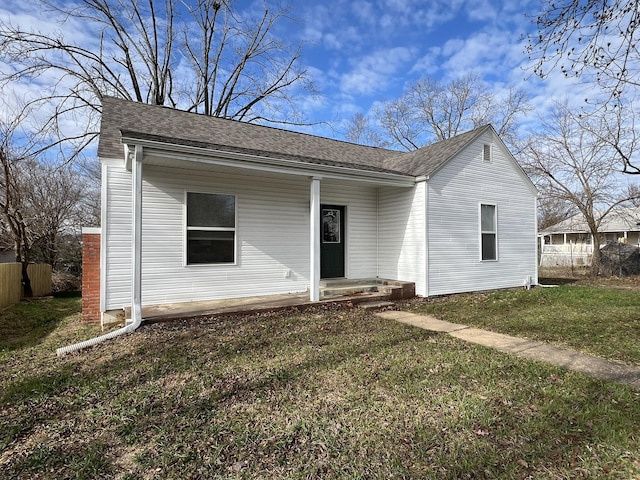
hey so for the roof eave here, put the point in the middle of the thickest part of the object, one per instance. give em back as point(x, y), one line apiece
point(273, 164)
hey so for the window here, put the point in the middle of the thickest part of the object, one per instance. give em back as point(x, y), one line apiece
point(486, 152)
point(211, 228)
point(489, 232)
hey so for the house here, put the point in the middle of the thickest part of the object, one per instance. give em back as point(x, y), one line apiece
point(196, 208)
point(570, 243)
point(7, 255)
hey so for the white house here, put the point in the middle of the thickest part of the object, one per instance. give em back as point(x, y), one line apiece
point(197, 208)
point(570, 243)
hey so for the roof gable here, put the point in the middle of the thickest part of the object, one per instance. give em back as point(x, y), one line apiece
point(427, 160)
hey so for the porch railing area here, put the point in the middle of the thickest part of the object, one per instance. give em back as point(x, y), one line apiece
point(566, 255)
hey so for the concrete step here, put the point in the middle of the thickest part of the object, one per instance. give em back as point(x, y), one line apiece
point(393, 289)
point(343, 282)
point(334, 291)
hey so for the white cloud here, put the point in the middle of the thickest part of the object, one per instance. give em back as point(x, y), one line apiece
point(480, 10)
point(435, 13)
point(373, 73)
point(364, 12)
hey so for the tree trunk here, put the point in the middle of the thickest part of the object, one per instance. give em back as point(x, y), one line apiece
point(26, 281)
point(595, 257)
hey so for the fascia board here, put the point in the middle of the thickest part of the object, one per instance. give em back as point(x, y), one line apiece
point(276, 165)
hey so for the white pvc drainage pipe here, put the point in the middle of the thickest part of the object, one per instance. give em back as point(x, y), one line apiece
point(94, 341)
point(135, 154)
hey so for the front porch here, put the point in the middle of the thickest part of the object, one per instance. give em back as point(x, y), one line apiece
point(333, 291)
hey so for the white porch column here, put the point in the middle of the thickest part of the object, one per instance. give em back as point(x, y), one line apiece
point(136, 235)
point(314, 244)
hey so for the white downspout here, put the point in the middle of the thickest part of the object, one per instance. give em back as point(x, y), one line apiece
point(136, 254)
point(378, 232)
point(426, 237)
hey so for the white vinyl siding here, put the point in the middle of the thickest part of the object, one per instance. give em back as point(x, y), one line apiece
point(116, 227)
point(454, 193)
point(384, 233)
point(272, 234)
point(401, 235)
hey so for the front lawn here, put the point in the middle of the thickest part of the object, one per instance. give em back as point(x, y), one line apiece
point(322, 394)
point(592, 319)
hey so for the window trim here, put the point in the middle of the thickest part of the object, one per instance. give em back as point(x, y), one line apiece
point(493, 232)
point(187, 229)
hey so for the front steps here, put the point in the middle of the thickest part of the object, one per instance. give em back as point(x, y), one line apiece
point(388, 289)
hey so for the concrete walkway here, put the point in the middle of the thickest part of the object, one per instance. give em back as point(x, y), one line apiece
point(568, 359)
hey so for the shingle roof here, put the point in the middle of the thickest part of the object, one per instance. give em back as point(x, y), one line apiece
point(426, 160)
point(624, 220)
point(178, 127)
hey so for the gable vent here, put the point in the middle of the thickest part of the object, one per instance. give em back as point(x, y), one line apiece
point(486, 152)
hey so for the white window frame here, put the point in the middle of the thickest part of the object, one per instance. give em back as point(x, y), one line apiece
point(187, 229)
point(492, 232)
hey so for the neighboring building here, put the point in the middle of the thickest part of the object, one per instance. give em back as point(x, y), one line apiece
point(223, 209)
point(7, 256)
point(569, 243)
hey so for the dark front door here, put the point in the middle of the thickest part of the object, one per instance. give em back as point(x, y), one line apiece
point(332, 238)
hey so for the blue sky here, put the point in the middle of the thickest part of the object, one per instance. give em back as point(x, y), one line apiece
point(362, 52)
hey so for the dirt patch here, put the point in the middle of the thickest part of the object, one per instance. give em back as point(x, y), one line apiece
point(567, 276)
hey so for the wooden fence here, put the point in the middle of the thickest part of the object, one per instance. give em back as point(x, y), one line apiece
point(11, 281)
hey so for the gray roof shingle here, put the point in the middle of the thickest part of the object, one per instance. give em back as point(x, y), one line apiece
point(173, 126)
point(427, 160)
point(622, 220)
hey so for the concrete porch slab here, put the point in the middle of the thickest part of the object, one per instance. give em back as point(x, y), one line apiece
point(265, 303)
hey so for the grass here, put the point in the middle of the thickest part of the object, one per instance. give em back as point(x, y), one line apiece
point(322, 394)
point(28, 322)
point(582, 316)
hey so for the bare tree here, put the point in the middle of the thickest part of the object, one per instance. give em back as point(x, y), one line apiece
point(553, 210)
point(616, 127)
point(39, 202)
point(572, 164)
point(13, 220)
point(52, 206)
point(238, 64)
point(359, 130)
point(432, 111)
point(238, 67)
point(597, 39)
